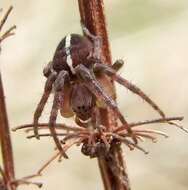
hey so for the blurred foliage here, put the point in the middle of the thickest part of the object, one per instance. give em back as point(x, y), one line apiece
point(129, 16)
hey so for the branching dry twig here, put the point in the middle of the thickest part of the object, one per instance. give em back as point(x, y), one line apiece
point(7, 173)
point(9, 32)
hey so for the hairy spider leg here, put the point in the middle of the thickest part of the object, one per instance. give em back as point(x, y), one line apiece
point(96, 118)
point(58, 99)
point(118, 64)
point(112, 73)
point(92, 139)
point(97, 42)
point(47, 90)
point(94, 86)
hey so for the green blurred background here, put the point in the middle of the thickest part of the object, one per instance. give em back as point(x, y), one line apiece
point(152, 37)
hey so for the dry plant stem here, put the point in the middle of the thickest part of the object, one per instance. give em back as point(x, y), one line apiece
point(92, 16)
point(5, 139)
point(6, 146)
point(7, 172)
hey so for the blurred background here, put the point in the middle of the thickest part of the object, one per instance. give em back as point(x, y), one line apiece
point(151, 36)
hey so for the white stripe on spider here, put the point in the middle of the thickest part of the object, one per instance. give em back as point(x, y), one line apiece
point(67, 48)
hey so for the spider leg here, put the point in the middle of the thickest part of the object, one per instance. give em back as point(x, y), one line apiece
point(118, 64)
point(43, 100)
point(94, 86)
point(111, 72)
point(97, 42)
point(58, 98)
point(96, 117)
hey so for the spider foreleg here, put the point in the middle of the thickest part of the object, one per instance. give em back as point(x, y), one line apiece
point(111, 72)
point(94, 86)
point(58, 98)
point(48, 69)
point(96, 117)
point(97, 42)
point(42, 103)
point(118, 64)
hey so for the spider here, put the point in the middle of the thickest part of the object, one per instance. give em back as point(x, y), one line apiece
point(74, 74)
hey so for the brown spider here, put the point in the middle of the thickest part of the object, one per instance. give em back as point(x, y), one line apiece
point(74, 75)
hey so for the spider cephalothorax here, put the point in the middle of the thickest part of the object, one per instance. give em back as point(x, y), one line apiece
point(72, 51)
point(74, 75)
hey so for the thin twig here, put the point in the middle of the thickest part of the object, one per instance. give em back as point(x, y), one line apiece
point(29, 127)
point(161, 120)
point(6, 146)
point(92, 16)
point(9, 32)
point(5, 139)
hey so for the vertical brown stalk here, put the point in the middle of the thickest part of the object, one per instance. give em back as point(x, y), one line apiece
point(5, 140)
point(92, 16)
